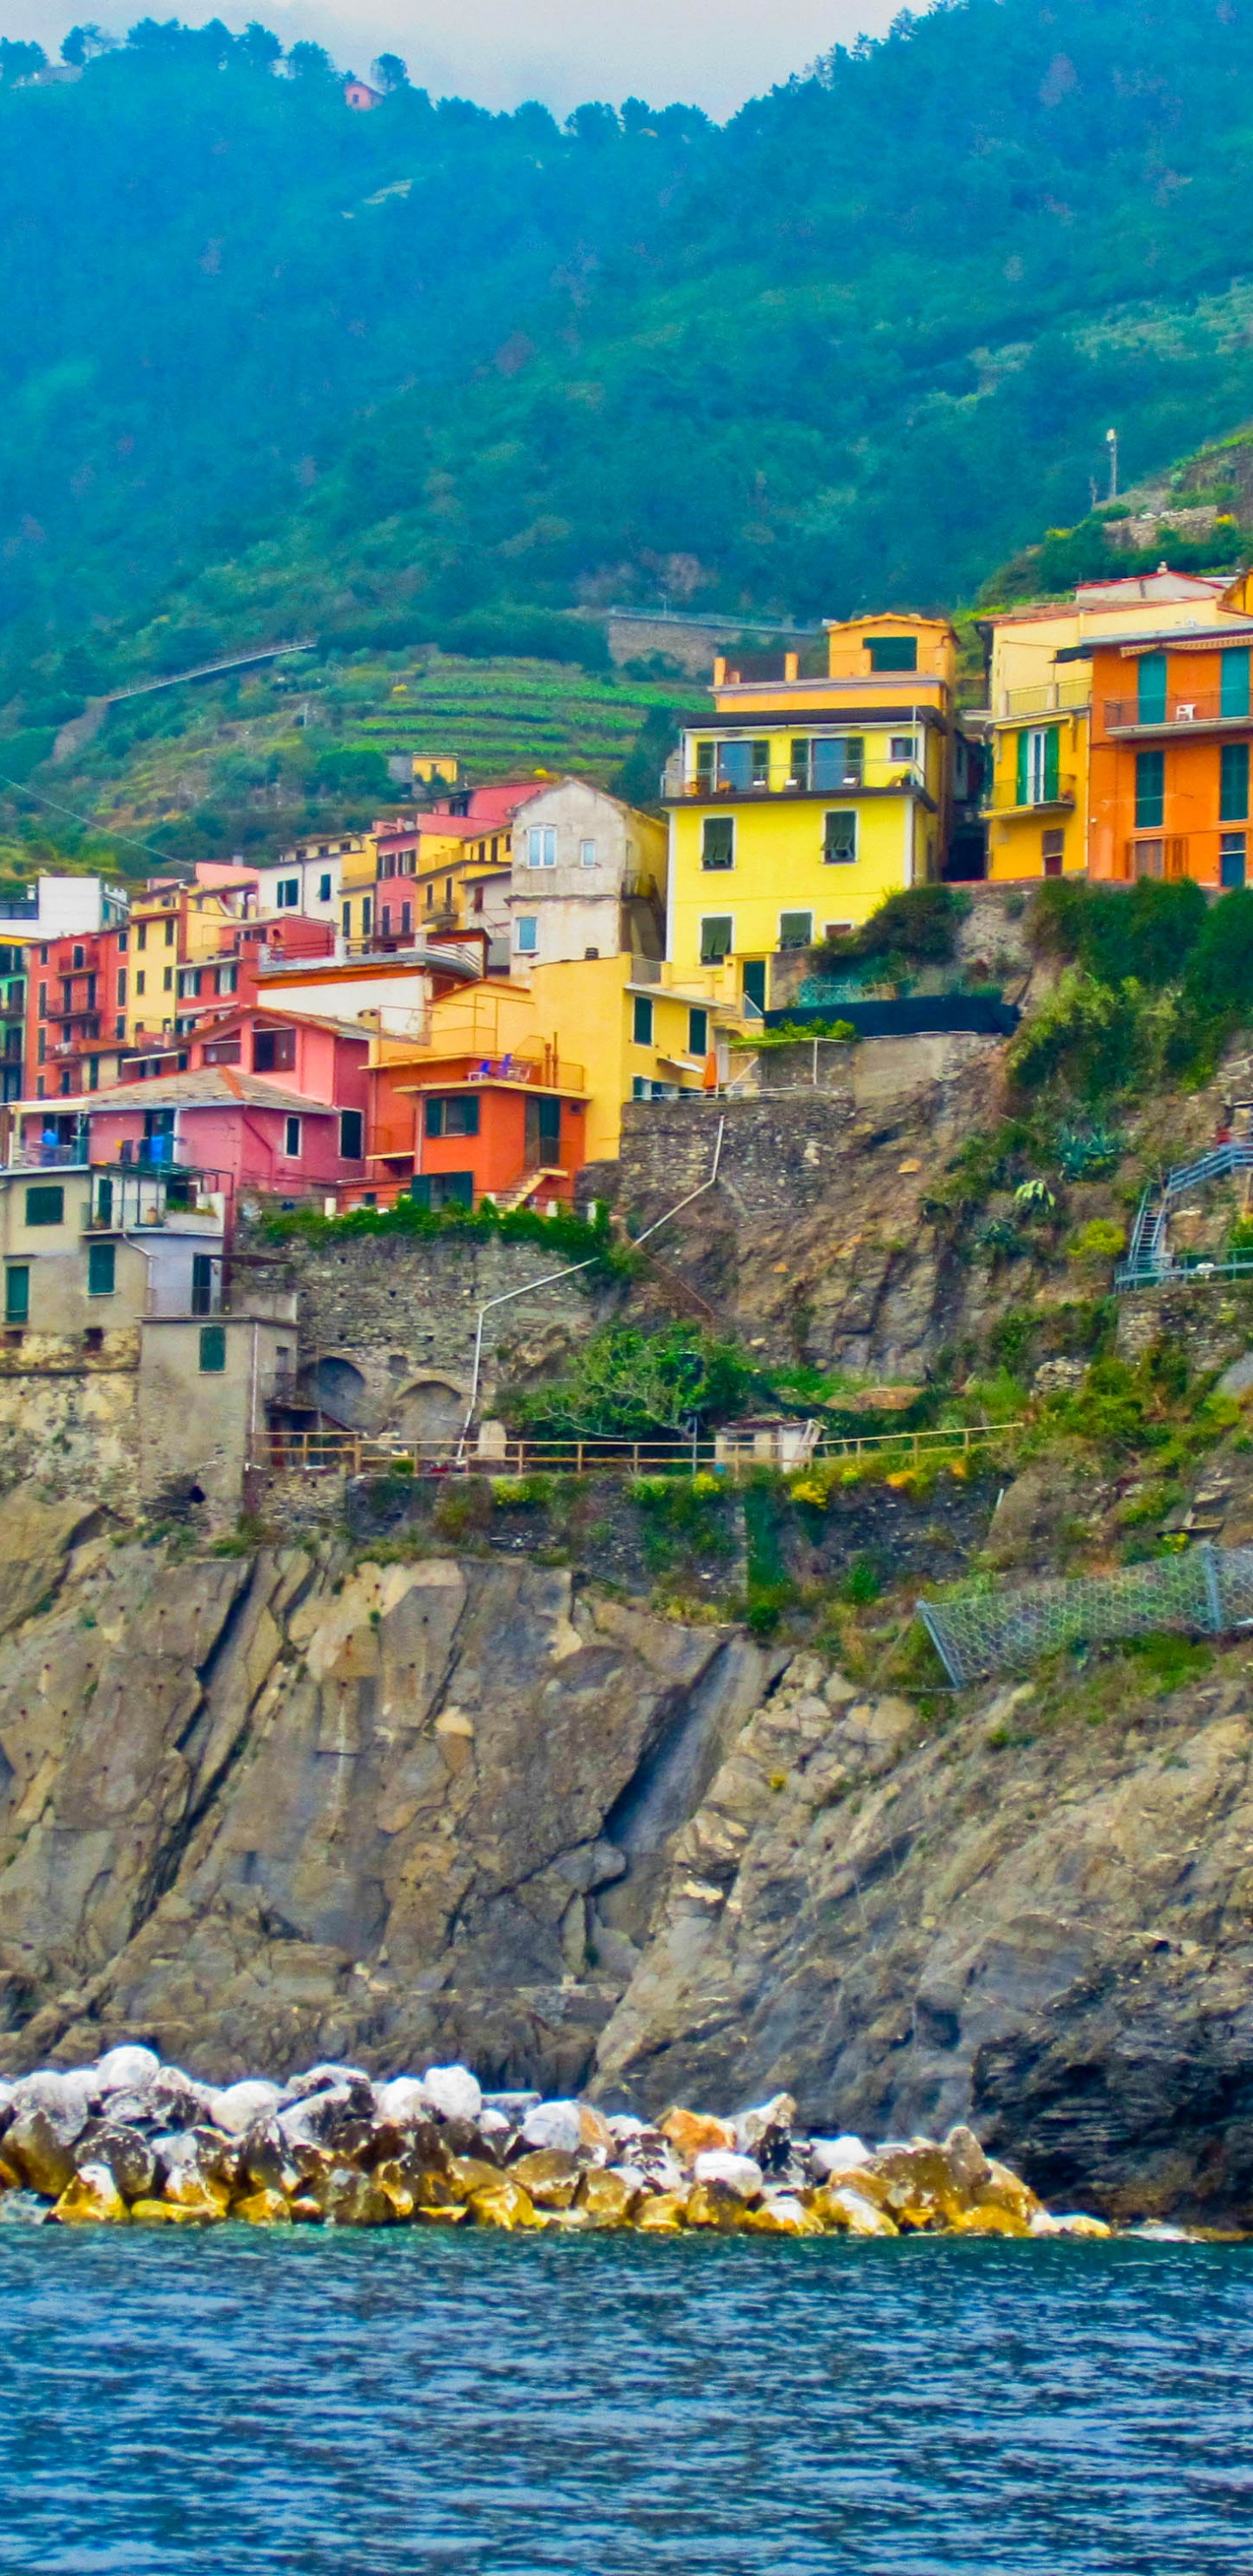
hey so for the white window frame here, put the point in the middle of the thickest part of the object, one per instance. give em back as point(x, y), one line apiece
point(799, 913)
point(287, 892)
point(527, 921)
point(587, 854)
point(541, 845)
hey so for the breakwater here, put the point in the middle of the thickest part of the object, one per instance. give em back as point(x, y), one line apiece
point(129, 2140)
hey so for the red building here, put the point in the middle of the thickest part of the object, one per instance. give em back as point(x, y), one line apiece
point(274, 1102)
point(457, 1123)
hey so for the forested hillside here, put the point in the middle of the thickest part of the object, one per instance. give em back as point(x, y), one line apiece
point(273, 367)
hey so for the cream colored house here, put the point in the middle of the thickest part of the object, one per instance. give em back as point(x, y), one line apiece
point(588, 878)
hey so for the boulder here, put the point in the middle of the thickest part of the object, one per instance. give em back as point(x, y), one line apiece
point(403, 2102)
point(989, 2221)
point(262, 2209)
point(236, 2107)
point(193, 2192)
point(831, 2156)
point(454, 2092)
point(734, 2177)
point(967, 2162)
point(351, 2081)
point(128, 2155)
point(766, 2131)
point(38, 2147)
point(266, 2162)
point(23, 2209)
point(512, 2107)
point(606, 2196)
point(915, 2184)
point(468, 2174)
point(172, 2213)
point(708, 2206)
point(504, 2204)
point(550, 2174)
point(397, 2186)
point(316, 2117)
point(663, 2213)
point(90, 2198)
point(692, 2133)
point(124, 2070)
point(65, 2097)
point(555, 2124)
point(841, 2206)
point(353, 2199)
point(1074, 2222)
point(781, 2215)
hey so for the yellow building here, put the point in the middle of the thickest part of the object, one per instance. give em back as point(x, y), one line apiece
point(804, 802)
point(639, 1031)
point(1039, 705)
point(170, 936)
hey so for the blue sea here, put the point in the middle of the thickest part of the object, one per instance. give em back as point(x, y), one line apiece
point(382, 2404)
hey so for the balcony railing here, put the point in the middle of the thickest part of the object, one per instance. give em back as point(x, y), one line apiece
point(874, 777)
point(1045, 698)
point(1184, 713)
point(1005, 799)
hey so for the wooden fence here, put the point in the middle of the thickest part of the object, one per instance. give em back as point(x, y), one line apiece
point(349, 1453)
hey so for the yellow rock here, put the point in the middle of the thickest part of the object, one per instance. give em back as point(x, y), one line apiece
point(1006, 2190)
point(989, 2220)
point(594, 2130)
point(691, 2132)
point(549, 2174)
point(468, 2174)
point(783, 2217)
point(606, 2198)
point(305, 2211)
point(9, 2180)
point(175, 2213)
point(709, 2207)
point(504, 2204)
point(916, 2186)
point(91, 2199)
point(263, 2209)
point(397, 2188)
point(662, 2213)
point(444, 2214)
point(198, 2193)
point(850, 2211)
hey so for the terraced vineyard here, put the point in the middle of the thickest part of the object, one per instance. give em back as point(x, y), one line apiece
point(501, 718)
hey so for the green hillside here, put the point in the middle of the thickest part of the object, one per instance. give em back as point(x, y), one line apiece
point(336, 374)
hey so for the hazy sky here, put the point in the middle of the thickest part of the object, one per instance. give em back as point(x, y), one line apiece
point(717, 52)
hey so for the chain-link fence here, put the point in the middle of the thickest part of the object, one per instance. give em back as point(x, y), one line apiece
point(1207, 1590)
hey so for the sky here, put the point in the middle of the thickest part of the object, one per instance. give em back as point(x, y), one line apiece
point(716, 53)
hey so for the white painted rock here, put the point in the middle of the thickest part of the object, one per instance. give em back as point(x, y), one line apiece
point(235, 2108)
point(65, 2096)
point(454, 2092)
point(124, 2070)
point(405, 2100)
point(739, 2175)
point(554, 2124)
point(772, 2121)
point(837, 2155)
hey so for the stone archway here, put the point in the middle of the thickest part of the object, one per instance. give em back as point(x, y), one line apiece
point(429, 1412)
point(339, 1391)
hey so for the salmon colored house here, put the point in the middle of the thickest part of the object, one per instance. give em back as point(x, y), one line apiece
point(271, 1101)
point(1172, 741)
point(486, 1109)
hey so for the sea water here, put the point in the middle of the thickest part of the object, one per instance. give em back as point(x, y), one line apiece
point(367, 2403)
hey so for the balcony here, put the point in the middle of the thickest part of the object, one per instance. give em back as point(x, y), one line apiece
point(1070, 696)
point(1005, 799)
point(1199, 712)
point(540, 1073)
point(871, 778)
point(130, 1196)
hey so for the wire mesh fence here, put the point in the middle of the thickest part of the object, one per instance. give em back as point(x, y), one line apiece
point(1206, 1590)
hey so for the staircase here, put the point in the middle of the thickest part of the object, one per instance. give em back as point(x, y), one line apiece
point(517, 1196)
point(1148, 1259)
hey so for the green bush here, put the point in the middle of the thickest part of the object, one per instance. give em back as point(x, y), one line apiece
point(1091, 1039)
point(624, 1383)
point(1146, 933)
point(919, 925)
point(1101, 1239)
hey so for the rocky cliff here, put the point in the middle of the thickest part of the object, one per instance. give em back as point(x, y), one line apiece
point(261, 1809)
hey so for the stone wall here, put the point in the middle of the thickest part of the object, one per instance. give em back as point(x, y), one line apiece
point(68, 1416)
point(387, 1322)
point(1210, 1321)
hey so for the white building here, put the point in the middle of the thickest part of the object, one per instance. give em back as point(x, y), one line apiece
point(63, 908)
point(588, 877)
point(306, 879)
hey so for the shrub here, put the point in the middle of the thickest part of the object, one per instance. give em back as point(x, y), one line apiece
point(625, 1384)
point(919, 924)
point(1101, 1239)
point(1092, 1039)
point(1084, 1152)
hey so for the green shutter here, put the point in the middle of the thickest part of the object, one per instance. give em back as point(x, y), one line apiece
point(420, 1190)
point(1235, 681)
point(1233, 783)
point(1150, 790)
point(642, 1020)
point(698, 1032)
point(1151, 689)
point(1022, 777)
point(17, 1293)
point(212, 1349)
point(1052, 774)
point(45, 1205)
point(101, 1269)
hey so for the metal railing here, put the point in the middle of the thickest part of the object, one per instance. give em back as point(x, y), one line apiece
point(1005, 798)
point(1149, 1262)
point(1045, 698)
point(355, 1453)
point(1184, 711)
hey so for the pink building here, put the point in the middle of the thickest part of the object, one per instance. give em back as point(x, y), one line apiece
point(271, 1102)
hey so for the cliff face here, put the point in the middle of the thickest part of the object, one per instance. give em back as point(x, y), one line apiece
point(263, 1810)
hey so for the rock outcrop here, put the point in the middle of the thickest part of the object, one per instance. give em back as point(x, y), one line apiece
point(264, 1811)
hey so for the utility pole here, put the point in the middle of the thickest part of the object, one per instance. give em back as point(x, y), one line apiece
point(1111, 441)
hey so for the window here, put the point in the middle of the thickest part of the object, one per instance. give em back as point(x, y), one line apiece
point(386, 920)
point(169, 933)
point(93, 1073)
point(839, 839)
point(141, 934)
point(274, 1051)
point(17, 1293)
point(351, 1135)
point(587, 854)
point(698, 1032)
point(167, 980)
point(189, 983)
point(798, 764)
point(642, 1020)
point(79, 956)
point(478, 898)
point(291, 1138)
point(1231, 858)
point(1234, 681)
point(202, 1283)
point(436, 1190)
point(406, 921)
point(528, 934)
point(717, 844)
point(228, 979)
point(1233, 783)
point(839, 760)
point(705, 768)
point(901, 746)
point(224, 1051)
point(141, 981)
point(1151, 689)
point(1150, 790)
point(717, 932)
point(212, 1349)
point(735, 766)
point(324, 889)
point(458, 1116)
point(345, 919)
point(760, 763)
point(122, 943)
point(541, 846)
point(892, 652)
point(101, 1269)
point(1037, 775)
point(287, 892)
point(121, 987)
point(1052, 852)
point(43, 1001)
point(367, 915)
point(796, 929)
point(45, 1204)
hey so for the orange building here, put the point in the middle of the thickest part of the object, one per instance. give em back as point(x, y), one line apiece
point(1172, 734)
point(485, 1109)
